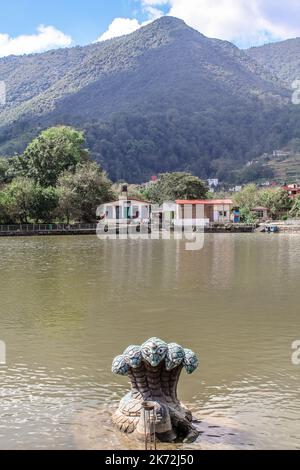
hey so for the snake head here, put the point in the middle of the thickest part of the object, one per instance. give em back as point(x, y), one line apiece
point(132, 356)
point(119, 366)
point(190, 361)
point(154, 351)
point(175, 356)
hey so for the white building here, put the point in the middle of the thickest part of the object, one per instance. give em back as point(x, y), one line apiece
point(213, 182)
point(125, 210)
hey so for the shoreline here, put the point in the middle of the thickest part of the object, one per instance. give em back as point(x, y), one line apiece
point(91, 229)
point(40, 231)
point(46, 233)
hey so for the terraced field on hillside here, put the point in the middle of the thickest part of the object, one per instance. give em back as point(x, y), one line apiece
point(288, 169)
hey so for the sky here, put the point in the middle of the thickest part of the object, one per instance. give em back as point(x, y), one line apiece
point(30, 26)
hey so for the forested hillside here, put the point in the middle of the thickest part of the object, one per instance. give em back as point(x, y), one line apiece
point(164, 98)
point(282, 59)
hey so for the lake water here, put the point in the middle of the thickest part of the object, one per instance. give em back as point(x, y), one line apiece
point(70, 304)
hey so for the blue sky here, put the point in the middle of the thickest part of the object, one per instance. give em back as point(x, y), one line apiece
point(84, 20)
point(28, 26)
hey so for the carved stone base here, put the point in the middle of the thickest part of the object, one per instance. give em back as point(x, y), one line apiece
point(154, 370)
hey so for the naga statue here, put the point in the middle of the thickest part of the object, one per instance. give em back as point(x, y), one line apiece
point(154, 370)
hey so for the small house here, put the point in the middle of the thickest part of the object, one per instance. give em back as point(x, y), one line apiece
point(211, 210)
point(125, 210)
point(261, 213)
point(293, 190)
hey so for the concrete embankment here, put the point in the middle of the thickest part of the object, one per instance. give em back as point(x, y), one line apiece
point(47, 233)
point(289, 228)
point(292, 226)
point(90, 229)
point(230, 228)
point(32, 230)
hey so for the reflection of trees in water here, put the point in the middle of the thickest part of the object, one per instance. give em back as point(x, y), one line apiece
point(75, 302)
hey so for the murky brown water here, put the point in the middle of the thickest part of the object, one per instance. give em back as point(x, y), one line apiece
point(69, 305)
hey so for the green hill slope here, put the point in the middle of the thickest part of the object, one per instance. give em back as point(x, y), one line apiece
point(282, 59)
point(164, 98)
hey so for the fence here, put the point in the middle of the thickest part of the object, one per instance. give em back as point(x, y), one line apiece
point(28, 229)
point(37, 228)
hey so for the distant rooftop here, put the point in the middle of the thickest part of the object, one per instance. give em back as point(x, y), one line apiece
point(205, 201)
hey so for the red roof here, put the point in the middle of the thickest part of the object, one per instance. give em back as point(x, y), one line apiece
point(289, 188)
point(211, 202)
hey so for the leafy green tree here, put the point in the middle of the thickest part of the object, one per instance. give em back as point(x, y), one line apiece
point(254, 172)
point(44, 204)
point(135, 191)
point(5, 204)
point(295, 210)
point(12, 167)
point(16, 167)
point(54, 151)
point(22, 201)
point(274, 200)
point(247, 198)
point(67, 199)
point(3, 170)
point(18, 198)
point(81, 192)
point(246, 216)
point(172, 186)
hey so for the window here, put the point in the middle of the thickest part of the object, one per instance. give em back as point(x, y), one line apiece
point(109, 212)
point(135, 212)
point(127, 210)
point(223, 213)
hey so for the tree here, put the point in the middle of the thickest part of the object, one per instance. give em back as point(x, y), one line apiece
point(16, 167)
point(134, 191)
point(81, 192)
point(5, 203)
point(254, 172)
point(67, 199)
point(44, 203)
point(247, 198)
point(3, 170)
point(11, 168)
point(246, 216)
point(172, 186)
point(22, 201)
point(295, 210)
point(54, 151)
point(18, 199)
point(275, 200)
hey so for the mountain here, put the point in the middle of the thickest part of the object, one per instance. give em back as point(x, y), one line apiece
point(164, 98)
point(282, 59)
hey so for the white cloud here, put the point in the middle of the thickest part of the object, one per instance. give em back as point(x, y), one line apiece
point(153, 13)
point(120, 27)
point(123, 26)
point(246, 22)
point(47, 37)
